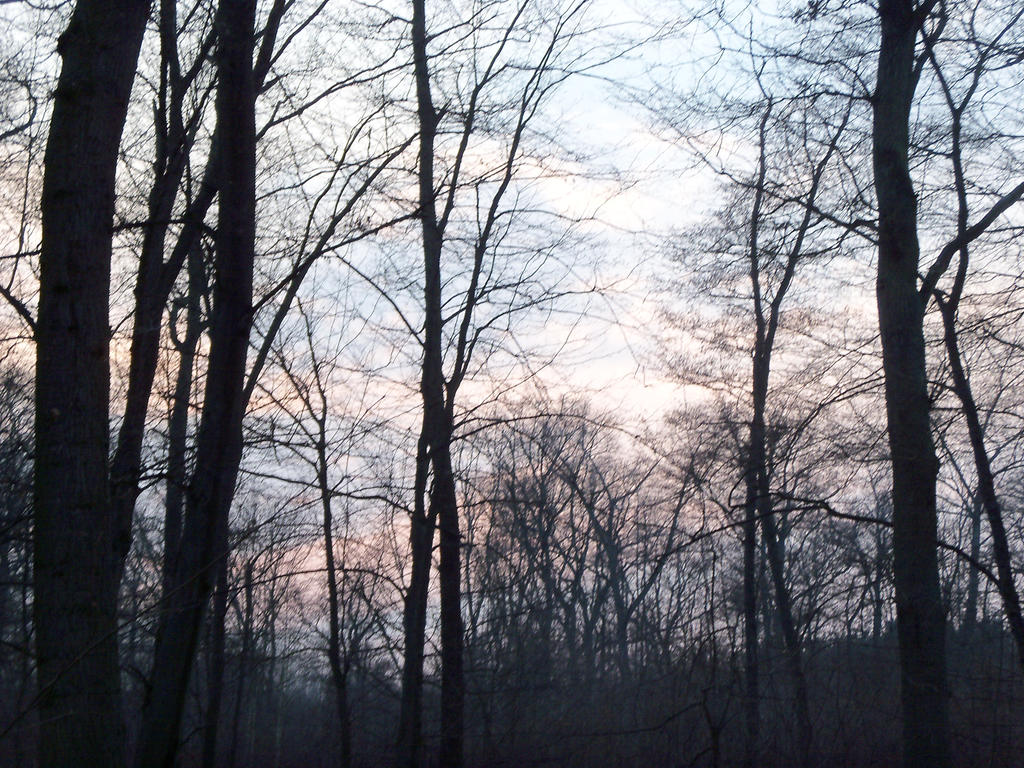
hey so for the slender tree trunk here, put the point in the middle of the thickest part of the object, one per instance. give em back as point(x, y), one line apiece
point(177, 423)
point(880, 571)
point(409, 747)
point(970, 618)
point(243, 661)
point(622, 648)
point(339, 667)
point(6, 663)
point(215, 683)
point(773, 548)
point(986, 483)
point(219, 441)
point(919, 612)
point(450, 578)
point(151, 293)
point(985, 497)
point(153, 283)
point(751, 698)
point(76, 571)
point(438, 416)
point(790, 636)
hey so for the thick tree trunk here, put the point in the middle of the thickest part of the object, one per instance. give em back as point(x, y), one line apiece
point(219, 441)
point(76, 569)
point(919, 612)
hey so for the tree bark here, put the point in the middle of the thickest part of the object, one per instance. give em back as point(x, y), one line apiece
point(919, 613)
point(75, 568)
point(246, 620)
point(755, 474)
point(219, 440)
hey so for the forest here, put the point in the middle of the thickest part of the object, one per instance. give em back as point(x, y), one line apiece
point(481, 383)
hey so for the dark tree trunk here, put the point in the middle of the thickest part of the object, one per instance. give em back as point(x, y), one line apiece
point(409, 748)
point(151, 292)
point(215, 681)
point(751, 694)
point(986, 482)
point(880, 568)
point(76, 568)
point(450, 578)
point(154, 280)
point(919, 613)
point(766, 313)
point(985, 497)
point(246, 618)
point(970, 617)
point(219, 440)
point(177, 423)
point(762, 506)
point(339, 666)
point(435, 447)
point(790, 636)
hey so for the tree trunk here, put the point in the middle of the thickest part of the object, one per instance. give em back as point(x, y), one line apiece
point(881, 569)
point(339, 667)
point(986, 484)
point(243, 662)
point(219, 441)
point(409, 748)
point(450, 577)
point(177, 423)
point(919, 612)
point(776, 561)
point(76, 570)
point(153, 283)
point(751, 698)
point(969, 623)
point(436, 433)
point(790, 636)
point(215, 683)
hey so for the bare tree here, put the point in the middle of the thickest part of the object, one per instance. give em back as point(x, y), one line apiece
point(949, 304)
point(219, 441)
point(919, 611)
point(901, 307)
point(455, 321)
